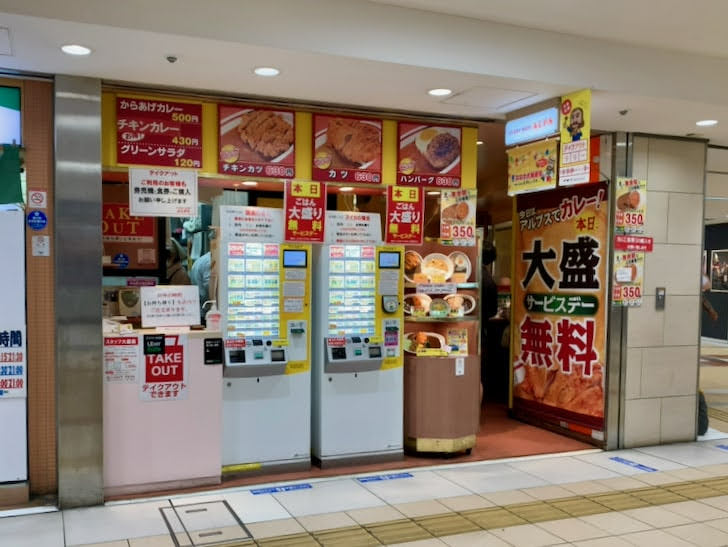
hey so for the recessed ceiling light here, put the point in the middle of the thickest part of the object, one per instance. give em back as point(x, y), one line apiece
point(433, 193)
point(440, 92)
point(75, 49)
point(346, 189)
point(250, 183)
point(706, 123)
point(479, 143)
point(266, 71)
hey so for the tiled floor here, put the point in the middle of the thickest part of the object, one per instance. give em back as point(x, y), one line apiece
point(665, 495)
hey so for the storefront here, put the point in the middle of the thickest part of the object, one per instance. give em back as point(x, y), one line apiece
point(344, 257)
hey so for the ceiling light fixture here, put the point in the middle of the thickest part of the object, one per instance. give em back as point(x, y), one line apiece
point(479, 143)
point(706, 123)
point(440, 92)
point(433, 193)
point(75, 49)
point(266, 71)
point(250, 183)
point(346, 189)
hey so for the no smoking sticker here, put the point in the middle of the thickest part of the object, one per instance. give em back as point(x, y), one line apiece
point(37, 199)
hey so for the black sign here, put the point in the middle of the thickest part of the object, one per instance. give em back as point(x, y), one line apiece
point(213, 351)
point(153, 344)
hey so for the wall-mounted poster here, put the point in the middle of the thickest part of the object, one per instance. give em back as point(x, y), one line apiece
point(256, 142)
point(347, 149)
point(429, 155)
point(719, 270)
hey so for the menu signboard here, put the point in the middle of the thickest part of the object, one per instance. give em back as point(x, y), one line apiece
point(457, 217)
point(158, 132)
point(429, 155)
point(631, 206)
point(347, 149)
point(405, 215)
point(305, 206)
point(629, 267)
point(559, 307)
point(256, 142)
point(532, 168)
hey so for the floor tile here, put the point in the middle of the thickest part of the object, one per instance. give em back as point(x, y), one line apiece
point(584, 488)
point(696, 511)
point(326, 521)
point(547, 492)
point(272, 528)
point(688, 454)
point(604, 542)
point(508, 497)
point(719, 502)
point(474, 539)
point(486, 478)
point(720, 524)
point(152, 541)
point(327, 497)
point(657, 517)
point(657, 479)
point(425, 485)
point(107, 523)
point(656, 537)
point(416, 509)
point(246, 505)
point(572, 529)
point(47, 530)
point(619, 461)
point(616, 523)
point(690, 474)
point(699, 534)
point(371, 515)
point(433, 542)
point(720, 469)
point(526, 535)
point(120, 543)
point(623, 483)
point(466, 503)
point(564, 470)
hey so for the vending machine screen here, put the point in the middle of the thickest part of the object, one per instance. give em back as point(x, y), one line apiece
point(294, 258)
point(253, 290)
point(389, 260)
point(352, 290)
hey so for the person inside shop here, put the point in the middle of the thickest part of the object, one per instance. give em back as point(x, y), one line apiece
point(200, 276)
point(175, 254)
point(489, 305)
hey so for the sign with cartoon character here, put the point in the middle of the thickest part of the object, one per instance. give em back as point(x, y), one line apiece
point(575, 124)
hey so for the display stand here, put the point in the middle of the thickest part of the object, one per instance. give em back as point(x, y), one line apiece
point(442, 384)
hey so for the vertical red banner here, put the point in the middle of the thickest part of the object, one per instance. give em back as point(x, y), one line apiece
point(405, 215)
point(305, 209)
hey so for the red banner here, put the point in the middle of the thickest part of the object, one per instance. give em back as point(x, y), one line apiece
point(158, 133)
point(305, 207)
point(405, 215)
point(164, 373)
point(256, 142)
point(429, 155)
point(347, 149)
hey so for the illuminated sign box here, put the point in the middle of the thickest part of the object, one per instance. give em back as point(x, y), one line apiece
point(538, 125)
point(9, 115)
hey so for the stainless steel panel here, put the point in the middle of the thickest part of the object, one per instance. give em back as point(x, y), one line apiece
point(78, 252)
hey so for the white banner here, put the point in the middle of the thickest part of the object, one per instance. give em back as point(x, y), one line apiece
point(170, 306)
point(352, 228)
point(160, 192)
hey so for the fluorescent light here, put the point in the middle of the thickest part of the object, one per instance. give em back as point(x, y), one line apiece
point(266, 71)
point(479, 143)
point(706, 123)
point(433, 193)
point(440, 92)
point(346, 189)
point(75, 49)
point(250, 183)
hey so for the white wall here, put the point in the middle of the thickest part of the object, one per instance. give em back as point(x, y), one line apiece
point(663, 346)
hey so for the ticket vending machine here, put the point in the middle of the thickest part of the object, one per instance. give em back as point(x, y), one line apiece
point(264, 292)
point(357, 360)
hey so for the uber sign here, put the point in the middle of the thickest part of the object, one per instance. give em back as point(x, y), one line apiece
point(164, 371)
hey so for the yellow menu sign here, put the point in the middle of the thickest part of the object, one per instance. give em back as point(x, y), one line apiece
point(532, 168)
point(575, 124)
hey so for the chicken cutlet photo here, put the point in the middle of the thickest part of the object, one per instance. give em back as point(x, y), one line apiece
point(265, 132)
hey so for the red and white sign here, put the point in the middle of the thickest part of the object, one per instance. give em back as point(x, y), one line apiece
point(165, 374)
point(159, 133)
point(336, 342)
point(405, 215)
point(347, 149)
point(37, 199)
point(256, 142)
point(235, 343)
point(457, 217)
point(633, 243)
point(429, 155)
point(162, 193)
point(305, 207)
point(121, 359)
